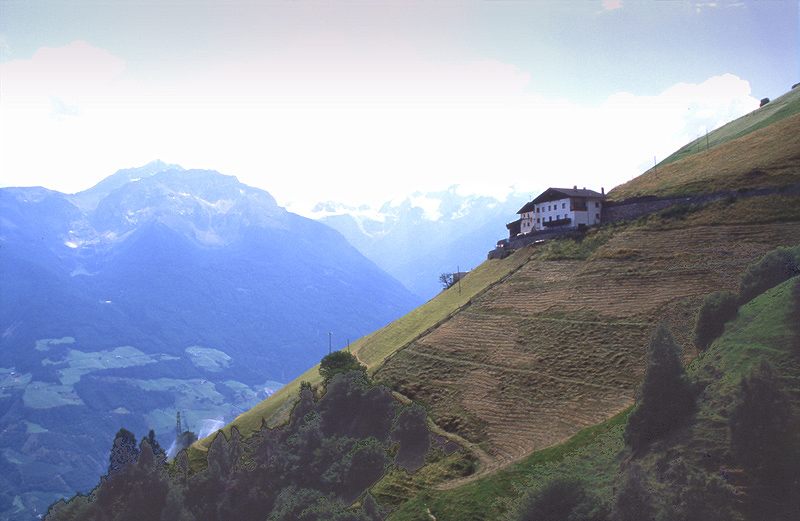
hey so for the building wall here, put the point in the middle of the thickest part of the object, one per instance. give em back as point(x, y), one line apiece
point(551, 211)
point(560, 209)
point(528, 222)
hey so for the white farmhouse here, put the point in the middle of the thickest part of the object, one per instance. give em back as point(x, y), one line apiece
point(559, 208)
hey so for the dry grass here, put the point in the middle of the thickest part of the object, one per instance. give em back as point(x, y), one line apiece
point(764, 158)
point(779, 108)
point(559, 346)
point(373, 349)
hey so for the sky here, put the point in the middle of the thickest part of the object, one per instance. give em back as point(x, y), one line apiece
point(362, 102)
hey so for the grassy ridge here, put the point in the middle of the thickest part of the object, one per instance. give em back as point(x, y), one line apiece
point(767, 157)
point(782, 107)
point(373, 349)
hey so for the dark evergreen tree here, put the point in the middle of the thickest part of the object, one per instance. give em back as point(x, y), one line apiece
point(704, 497)
point(352, 406)
point(666, 397)
point(718, 308)
point(773, 268)
point(764, 442)
point(123, 451)
point(634, 500)
point(410, 430)
point(159, 453)
point(561, 500)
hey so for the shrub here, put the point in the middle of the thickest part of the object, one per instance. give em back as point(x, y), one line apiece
point(561, 500)
point(772, 269)
point(634, 501)
point(718, 308)
point(666, 396)
point(339, 362)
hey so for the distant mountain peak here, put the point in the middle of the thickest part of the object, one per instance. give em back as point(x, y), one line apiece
point(90, 198)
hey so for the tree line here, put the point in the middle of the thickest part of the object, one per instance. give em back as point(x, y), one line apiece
point(339, 440)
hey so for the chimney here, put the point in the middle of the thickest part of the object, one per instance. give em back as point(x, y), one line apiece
point(602, 190)
point(584, 188)
point(574, 187)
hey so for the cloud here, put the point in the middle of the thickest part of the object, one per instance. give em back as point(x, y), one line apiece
point(344, 130)
point(611, 5)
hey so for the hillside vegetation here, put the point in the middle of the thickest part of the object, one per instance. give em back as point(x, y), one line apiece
point(533, 366)
point(596, 455)
point(373, 349)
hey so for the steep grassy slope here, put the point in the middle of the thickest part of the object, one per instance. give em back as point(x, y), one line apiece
point(596, 454)
point(767, 157)
point(373, 349)
point(559, 345)
point(776, 110)
point(551, 341)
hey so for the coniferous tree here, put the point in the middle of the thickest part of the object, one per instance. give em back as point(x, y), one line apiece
point(159, 453)
point(666, 397)
point(123, 451)
point(561, 499)
point(764, 442)
point(718, 308)
point(634, 500)
point(773, 268)
point(410, 430)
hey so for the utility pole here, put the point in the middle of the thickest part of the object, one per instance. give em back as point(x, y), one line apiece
point(655, 166)
point(330, 341)
point(458, 274)
point(706, 138)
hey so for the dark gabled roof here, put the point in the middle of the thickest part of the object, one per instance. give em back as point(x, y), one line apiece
point(527, 208)
point(551, 194)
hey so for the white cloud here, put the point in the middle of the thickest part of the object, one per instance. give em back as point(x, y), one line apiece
point(355, 131)
point(611, 5)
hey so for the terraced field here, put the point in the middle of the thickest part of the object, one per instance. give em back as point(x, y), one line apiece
point(559, 345)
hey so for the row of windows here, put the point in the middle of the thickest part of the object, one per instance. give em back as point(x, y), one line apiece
point(551, 207)
point(539, 219)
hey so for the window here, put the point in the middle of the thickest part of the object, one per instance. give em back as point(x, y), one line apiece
point(550, 218)
point(538, 220)
point(563, 205)
point(537, 209)
point(597, 216)
point(558, 217)
point(596, 204)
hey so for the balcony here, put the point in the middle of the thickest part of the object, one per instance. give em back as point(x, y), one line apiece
point(560, 222)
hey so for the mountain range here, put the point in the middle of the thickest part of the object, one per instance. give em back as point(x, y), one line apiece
point(419, 237)
point(156, 291)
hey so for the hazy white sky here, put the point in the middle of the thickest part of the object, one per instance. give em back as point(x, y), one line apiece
point(365, 101)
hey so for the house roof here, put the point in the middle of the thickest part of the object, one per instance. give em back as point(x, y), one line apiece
point(527, 208)
point(552, 194)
